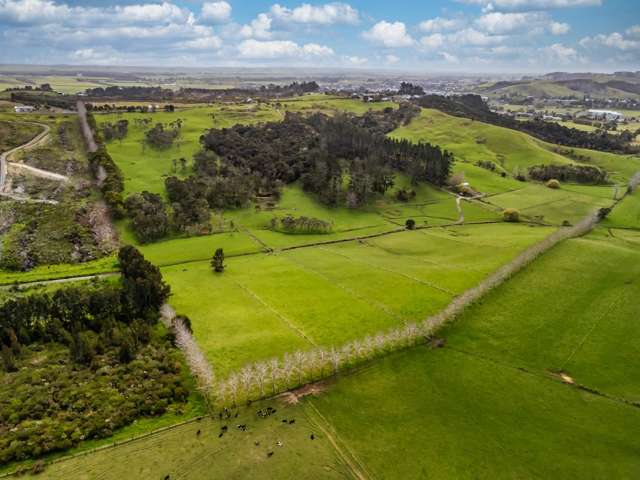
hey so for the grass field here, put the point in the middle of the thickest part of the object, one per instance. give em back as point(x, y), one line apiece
point(487, 405)
point(472, 141)
point(266, 305)
point(587, 327)
point(626, 214)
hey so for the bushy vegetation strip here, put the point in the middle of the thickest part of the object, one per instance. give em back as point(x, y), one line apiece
point(81, 362)
point(107, 174)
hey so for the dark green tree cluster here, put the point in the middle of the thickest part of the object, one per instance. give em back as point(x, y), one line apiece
point(148, 215)
point(319, 150)
point(188, 198)
point(407, 88)
point(77, 316)
point(217, 261)
point(302, 224)
point(569, 173)
point(115, 131)
point(162, 136)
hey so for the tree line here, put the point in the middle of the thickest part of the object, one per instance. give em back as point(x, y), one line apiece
point(569, 173)
point(106, 172)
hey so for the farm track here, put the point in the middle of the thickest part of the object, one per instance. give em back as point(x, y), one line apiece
point(356, 467)
point(38, 172)
point(37, 140)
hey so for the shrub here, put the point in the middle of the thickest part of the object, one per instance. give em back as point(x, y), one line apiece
point(410, 224)
point(511, 215)
point(38, 467)
point(553, 183)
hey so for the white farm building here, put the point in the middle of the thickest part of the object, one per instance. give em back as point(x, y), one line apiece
point(23, 109)
point(607, 115)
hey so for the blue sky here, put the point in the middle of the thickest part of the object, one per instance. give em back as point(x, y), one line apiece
point(472, 36)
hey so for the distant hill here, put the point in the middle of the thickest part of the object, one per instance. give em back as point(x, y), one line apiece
point(576, 85)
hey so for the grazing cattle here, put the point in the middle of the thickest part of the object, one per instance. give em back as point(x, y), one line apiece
point(312, 436)
point(198, 432)
point(257, 444)
point(224, 428)
point(284, 421)
point(221, 433)
point(167, 477)
point(269, 454)
point(291, 422)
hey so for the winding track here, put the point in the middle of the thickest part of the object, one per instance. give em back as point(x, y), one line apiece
point(35, 141)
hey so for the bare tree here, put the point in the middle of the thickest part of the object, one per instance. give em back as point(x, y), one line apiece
point(197, 362)
point(274, 371)
point(261, 371)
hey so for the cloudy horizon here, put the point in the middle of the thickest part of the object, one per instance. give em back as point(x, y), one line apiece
point(471, 36)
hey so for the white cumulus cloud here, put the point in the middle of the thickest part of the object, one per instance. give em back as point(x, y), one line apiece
point(388, 34)
point(327, 14)
point(260, 27)
point(439, 24)
point(531, 5)
point(273, 49)
point(433, 41)
point(216, 12)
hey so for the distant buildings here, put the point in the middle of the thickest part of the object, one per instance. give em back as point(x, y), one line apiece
point(608, 115)
point(24, 108)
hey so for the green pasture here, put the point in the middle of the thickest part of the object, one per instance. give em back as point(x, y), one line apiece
point(573, 310)
point(267, 305)
point(626, 214)
point(555, 206)
point(471, 141)
point(442, 414)
point(421, 413)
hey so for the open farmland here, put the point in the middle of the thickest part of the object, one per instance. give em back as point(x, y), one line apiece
point(331, 294)
point(487, 405)
point(284, 292)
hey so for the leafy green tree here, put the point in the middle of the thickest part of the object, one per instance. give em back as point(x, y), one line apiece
point(217, 262)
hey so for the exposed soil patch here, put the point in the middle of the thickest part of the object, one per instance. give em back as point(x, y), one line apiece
point(292, 397)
